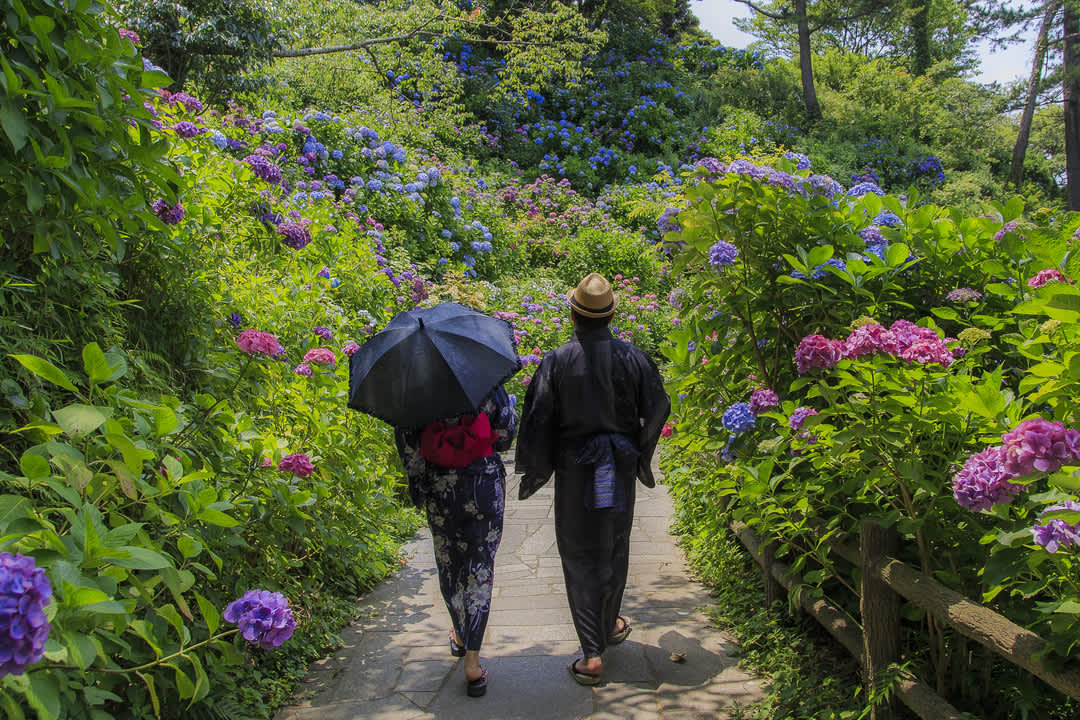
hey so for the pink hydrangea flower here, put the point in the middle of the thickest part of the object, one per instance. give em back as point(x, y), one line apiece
point(350, 348)
point(762, 399)
point(983, 482)
point(1047, 276)
point(667, 430)
point(323, 356)
point(1039, 445)
point(907, 332)
point(253, 341)
point(925, 352)
point(817, 351)
point(298, 464)
point(869, 339)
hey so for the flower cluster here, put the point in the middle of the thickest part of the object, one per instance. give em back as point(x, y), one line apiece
point(1032, 446)
point(350, 348)
point(298, 464)
point(168, 214)
point(963, 295)
point(253, 341)
point(868, 339)
point(24, 593)
point(295, 235)
point(762, 399)
point(1057, 534)
point(817, 351)
point(1047, 276)
point(738, 418)
point(264, 169)
point(722, 254)
point(798, 417)
point(323, 356)
point(263, 617)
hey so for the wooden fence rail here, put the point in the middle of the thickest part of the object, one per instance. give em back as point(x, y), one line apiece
point(876, 645)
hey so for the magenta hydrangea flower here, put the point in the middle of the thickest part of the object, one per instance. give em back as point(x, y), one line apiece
point(129, 35)
point(1047, 276)
point(294, 234)
point(983, 482)
point(1057, 534)
point(798, 417)
point(869, 339)
point(24, 592)
point(298, 464)
point(253, 341)
point(168, 214)
point(817, 351)
point(303, 369)
point(964, 295)
point(263, 617)
point(926, 352)
point(1039, 445)
point(350, 348)
point(762, 399)
point(323, 356)
point(907, 332)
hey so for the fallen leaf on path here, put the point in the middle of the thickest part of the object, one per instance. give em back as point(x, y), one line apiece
point(677, 657)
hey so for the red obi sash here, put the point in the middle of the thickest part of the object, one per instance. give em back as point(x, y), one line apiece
point(455, 446)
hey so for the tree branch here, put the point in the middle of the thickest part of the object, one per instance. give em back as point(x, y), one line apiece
point(782, 17)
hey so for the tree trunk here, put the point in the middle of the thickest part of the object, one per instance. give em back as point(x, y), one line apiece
point(920, 31)
point(1071, 88)
point(805, 67)
point(1016, 171)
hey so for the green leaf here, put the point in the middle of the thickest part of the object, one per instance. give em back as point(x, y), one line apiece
point(184, 686)
point(216, 517)
point(95, 365)
point(209, 612)
point(14, 123)
point(138, 558)
point(165, 420)
point(34, 467)
point(897, 254)
point(81, 649)
point(132, 455)
point(149, 681)
point(43, 694)
point(12, 508)
point(78, 420)
point(45, 370)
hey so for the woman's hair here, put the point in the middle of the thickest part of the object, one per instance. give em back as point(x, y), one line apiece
point(589, 323)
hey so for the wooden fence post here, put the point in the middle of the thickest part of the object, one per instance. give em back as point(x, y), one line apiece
point(879, 607)
point(773, 590)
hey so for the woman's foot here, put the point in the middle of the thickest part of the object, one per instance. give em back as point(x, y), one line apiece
point(621, 631)
point(586, 671)
point(475, 674)
point(457, 649)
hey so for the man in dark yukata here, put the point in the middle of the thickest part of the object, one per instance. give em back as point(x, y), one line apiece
point(592, 415)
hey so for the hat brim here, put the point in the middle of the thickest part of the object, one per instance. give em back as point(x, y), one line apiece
point(587, 312)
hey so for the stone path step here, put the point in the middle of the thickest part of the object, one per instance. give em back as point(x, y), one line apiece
point(395, 663)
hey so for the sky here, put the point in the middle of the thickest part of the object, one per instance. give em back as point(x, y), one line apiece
point(1002, 66)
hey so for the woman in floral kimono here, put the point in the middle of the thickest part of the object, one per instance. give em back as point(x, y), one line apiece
point(457, 477)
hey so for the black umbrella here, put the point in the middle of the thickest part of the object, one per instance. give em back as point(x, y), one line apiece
point(432, 363)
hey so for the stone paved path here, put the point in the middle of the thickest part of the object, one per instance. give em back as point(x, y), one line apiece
point(395, 663)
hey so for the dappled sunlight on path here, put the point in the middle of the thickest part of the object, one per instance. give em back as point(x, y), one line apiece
point(395, 662)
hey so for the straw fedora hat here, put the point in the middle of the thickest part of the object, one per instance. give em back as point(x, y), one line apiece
point(593, 297)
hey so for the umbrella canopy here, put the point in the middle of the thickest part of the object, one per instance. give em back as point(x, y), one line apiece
point(430, 364)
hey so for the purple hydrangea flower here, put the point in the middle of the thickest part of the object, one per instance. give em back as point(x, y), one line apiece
point(190, 103)
point(1039, 445)
point(963, 295)
point(186, 129)
point(322, 332)
point(1009, 227)
point(872, 235)
point(236, 320)
point(983, 482)
point(295, 235)
point(798, 417)
point(738, 418)
point(264, 169)
point(762, 399)
point(264, 618)
point(24, 593)
point(667, 222)
point(168, 214)
point(722, 254)
point(1056, 534)
point(824, 185)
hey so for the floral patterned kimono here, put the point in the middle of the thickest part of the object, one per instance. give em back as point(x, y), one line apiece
point(464, 509)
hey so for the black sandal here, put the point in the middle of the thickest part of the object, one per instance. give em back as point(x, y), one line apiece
point(618, 637)
point(477, 687)
point(455, 649)
point(582, 678)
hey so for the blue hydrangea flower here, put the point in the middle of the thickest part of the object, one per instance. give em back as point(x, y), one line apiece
point(738, 418)
point(863, 188)
point(801, 161)
point(24, 593)
point(888, 219)
point(722, 254)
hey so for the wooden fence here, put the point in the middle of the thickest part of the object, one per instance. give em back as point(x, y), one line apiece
point(876, 644)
